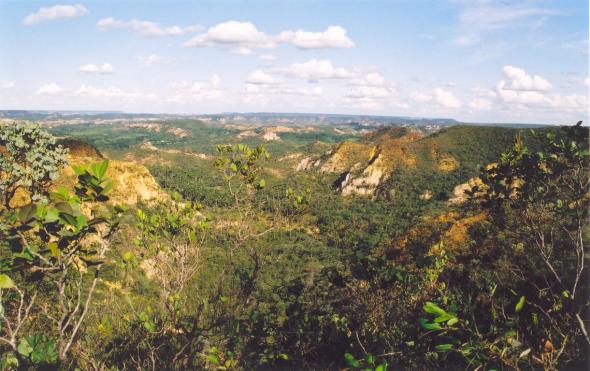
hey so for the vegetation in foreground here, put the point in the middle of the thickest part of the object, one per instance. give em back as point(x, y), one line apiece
point(242, 268)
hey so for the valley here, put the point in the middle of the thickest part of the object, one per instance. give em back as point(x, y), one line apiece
point(294, 243)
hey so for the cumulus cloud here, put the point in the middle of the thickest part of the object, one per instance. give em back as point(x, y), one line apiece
point(91, 91)
point(446, 98)
point(372, 91)
point(145, 28)
point(369, 79)
point(152, 59)
point(232, 33)
point(267, 57)
point(110, 92)
point(490, 15)
point(194, 92)
point(49, 89)
point(520, 80)
point(541, 99)
point(97, 69)
point(260, 77)
point(524, 90)
point(245, 36)
point(55, 12)
point(242, 50)
point(466, 40)
point(315, 70)
point(439, 96)
point(420, 97)
point(371, 86)
point(6, 84)
point(332, 37)
point(480, 104)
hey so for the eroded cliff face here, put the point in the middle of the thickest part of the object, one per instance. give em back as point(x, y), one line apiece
point(132, 182)
point(363, 166)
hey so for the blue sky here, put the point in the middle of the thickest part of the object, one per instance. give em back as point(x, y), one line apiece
point(472, 60)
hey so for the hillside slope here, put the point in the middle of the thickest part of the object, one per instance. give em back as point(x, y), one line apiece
point(132, 182)
point(404, 160)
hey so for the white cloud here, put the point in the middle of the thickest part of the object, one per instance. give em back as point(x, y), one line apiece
point(370, 79)
point(442, 97)
point(466, 40)
point(260, 77)
point(480, 104)
point(145, 28)
point(491, 15)
point(575, 102)
point(55, 12)
point(524, 90)
point(267, 57)
point(242, 50)
point(420, 97)
point(526, 97)
point(520, 80)
point(194, 92)
point(110, 92)
point(232, 33)
point(152, 59)
point(315, 70)
point(245, 36)
point(371, 92)
point(6, 84)
point(332, 37)
point(371, 86)
point(99, 69)
point(49, 89)
point(446, 98)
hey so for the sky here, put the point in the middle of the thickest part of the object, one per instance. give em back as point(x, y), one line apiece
point(488, 61)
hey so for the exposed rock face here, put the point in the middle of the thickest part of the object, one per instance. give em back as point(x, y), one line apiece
point(270, 136)
point(444, 161)
point(179, 132)
point(426, 195)
point(345, 154)
point(307, 164)
point(371, 177)
point(389, 150)
point(459, 195)
point(132, 182)
point(79, 148)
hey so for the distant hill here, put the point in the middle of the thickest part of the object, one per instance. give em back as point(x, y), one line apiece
point(79, 148)
point(395, 160)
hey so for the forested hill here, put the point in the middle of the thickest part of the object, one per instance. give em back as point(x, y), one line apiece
point(182, 244)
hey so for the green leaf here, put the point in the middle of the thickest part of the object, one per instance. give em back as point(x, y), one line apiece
point(520, 304)
point(382, 367)
point(262, 183)
point(68, 219)
point(101, 168)
point(26, 213)
point(452, 321)
point(349, 358)
point(6, 282)
point(443, 347)
point(150, 326)
point(213, 359)
point(429, 326)
point(430, 307)
point(24, 348)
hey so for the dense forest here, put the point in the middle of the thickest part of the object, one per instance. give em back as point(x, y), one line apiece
point(242, 262)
